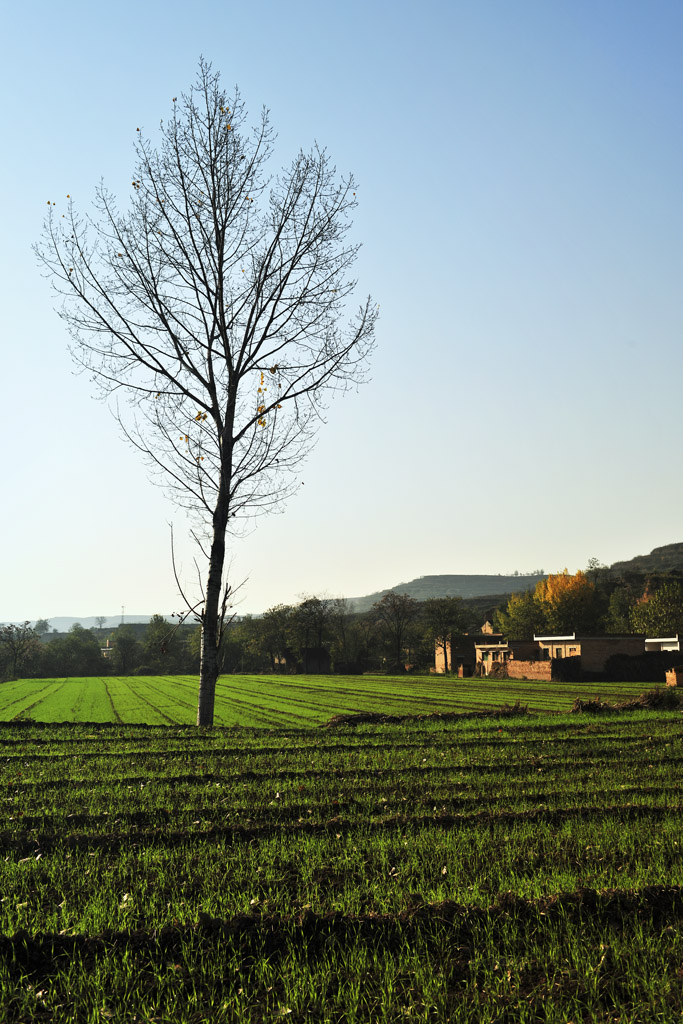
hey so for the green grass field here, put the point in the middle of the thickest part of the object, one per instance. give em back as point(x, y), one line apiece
point(502, 869)
point(273, 701)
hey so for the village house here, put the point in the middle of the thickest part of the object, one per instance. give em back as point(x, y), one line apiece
point(594, 651)
point(490, 653)
point(663, 643)
point(491, 656)
point(461, 651)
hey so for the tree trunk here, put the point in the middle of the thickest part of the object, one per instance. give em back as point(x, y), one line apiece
point(210, 639)
point(445, 655)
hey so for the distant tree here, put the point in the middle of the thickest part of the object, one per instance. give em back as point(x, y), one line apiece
point(311, 628)
point(660, 614)
point(344, 636)
point(569, 602)
point(354, 639)
point(443, 618)
point(238, 649)
point(193, 647)
point(620, 605)
point(159, 647)
point(219, 303)
point(523, 616)
point(76, 654)
point(273, 635)
point(42, 626)
point(18, 643)
point(126, 651)
point(100, 621)
point(395, 615)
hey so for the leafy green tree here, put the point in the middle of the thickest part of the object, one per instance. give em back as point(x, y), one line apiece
point(161, 649)
point(237, 654)
point(19, 644)
point(274, 635)
point(660, 614)
point(76, 654)
point(523, 617)
point(619, 608)
point(126, 652)
point(193, 647)
point(42, 626)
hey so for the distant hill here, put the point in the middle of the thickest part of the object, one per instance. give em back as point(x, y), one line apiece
point(664, 559)
point(485, 591)
point(467, 587)
point(496, 588)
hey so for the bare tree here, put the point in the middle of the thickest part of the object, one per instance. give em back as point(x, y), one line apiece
point(215, 305)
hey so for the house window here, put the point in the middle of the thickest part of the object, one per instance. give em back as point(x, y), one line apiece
point(558, 652)
point(572, 650)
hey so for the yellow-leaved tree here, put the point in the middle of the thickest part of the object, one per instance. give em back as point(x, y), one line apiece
point(568, 601)
point(562, 603)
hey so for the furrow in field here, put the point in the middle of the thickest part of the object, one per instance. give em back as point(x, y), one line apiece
point(661, 905)
point(361, 807)
point(143, 700)
point(269, 717)
point(49, 842)
point(115, 714)
point(24, 703)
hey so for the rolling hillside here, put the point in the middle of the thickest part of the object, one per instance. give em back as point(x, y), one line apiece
point(467, 587)
point(664, 559)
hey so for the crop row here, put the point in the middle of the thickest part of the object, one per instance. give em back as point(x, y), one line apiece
point(584, 957)
point(522, 868)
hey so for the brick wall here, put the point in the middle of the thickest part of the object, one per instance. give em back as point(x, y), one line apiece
point(528, 669)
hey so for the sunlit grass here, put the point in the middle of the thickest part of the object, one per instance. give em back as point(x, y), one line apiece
point(431, 870)
point(280, 701)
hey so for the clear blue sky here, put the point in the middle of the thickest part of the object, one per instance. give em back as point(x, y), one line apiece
point(520, 169)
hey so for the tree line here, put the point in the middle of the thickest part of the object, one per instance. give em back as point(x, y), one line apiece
point(319, 634)
point(596, 602)
point(322, 634)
